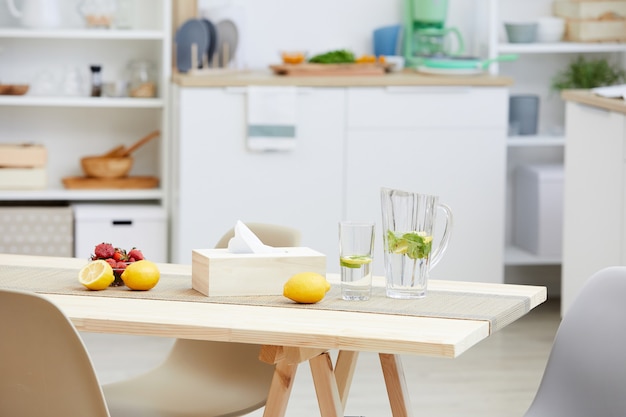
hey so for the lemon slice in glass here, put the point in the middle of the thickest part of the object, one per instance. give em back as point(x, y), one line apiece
point(96, 275)
point(354, 261)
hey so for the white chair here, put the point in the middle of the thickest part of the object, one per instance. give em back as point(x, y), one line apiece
point(586, 371)
point(45, 370)
point(203, 378)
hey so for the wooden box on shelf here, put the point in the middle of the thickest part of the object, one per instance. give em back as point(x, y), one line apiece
point(23, 166)
point(593, 21)
point(218, 272)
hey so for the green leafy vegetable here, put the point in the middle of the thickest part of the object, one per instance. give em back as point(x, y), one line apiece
point(340, 56)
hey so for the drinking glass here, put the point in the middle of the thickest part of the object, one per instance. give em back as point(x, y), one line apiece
point(356, 244)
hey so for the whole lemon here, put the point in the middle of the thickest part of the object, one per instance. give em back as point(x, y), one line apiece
point(141, 275)
point(306, 287)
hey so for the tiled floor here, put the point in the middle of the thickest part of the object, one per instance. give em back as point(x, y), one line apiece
point(498, 377)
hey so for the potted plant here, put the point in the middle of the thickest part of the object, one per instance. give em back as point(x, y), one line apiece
point(583, 73)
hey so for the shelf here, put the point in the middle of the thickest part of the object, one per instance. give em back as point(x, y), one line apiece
point(80, 195)
point(149, 103)
point(80, 34)
point(514, 256)
point(560, 47)
point(538, 140)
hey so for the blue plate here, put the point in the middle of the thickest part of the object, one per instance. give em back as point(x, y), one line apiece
point(193, 31)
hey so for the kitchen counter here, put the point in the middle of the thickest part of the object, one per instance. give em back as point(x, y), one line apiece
point(589, 98)
point(404, 78)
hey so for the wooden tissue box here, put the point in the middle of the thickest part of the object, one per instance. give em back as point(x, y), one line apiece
point(220, 272)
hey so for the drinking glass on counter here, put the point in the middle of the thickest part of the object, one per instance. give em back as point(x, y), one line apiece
point(356, 244)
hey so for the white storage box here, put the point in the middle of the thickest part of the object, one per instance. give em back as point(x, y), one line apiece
point(124, 226)
point(42, 231)
point(538, 209)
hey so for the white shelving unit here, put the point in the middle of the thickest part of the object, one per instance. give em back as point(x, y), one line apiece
point(73, 127)
point(543, 147)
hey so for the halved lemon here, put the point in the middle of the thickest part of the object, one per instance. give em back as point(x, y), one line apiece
point(96, 275)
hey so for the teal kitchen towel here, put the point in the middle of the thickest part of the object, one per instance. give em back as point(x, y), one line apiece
point(271, 114)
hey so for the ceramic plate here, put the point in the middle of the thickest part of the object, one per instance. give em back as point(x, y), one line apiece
point(212, 44)
point(228, 38)
point(193, 31)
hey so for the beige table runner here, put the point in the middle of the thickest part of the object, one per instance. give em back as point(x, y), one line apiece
point(498, 310)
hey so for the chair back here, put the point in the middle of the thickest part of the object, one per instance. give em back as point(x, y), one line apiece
point(586, 370)
point(270, 234)
point(45, 370)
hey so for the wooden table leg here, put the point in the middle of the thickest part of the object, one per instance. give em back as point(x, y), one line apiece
point(396, 385)
point(326, 386)
point(280, 389)
point(344, 370)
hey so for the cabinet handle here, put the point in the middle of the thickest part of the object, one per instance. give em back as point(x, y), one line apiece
point(427, 90)
point(244, 90)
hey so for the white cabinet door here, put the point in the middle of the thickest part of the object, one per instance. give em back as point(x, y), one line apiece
point(221, 182)
point(593, 218)
point(464, 165)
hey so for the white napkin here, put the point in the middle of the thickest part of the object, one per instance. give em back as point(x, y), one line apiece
point(613, 91)
point(271, 118)
point(245, 241)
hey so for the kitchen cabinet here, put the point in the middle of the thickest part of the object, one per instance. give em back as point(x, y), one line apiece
point(218, 181)
point(353, 137)
point(594, 227)
point(405, 138)
point(74, 126)
point(533, 71)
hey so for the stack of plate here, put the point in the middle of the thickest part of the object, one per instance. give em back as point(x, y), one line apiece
point(202, 44)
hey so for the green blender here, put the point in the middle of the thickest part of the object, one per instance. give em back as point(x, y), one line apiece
point(425, 33)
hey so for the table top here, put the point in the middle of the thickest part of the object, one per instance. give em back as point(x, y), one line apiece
point(589, 98)
point(270, 325)
point(407, 77)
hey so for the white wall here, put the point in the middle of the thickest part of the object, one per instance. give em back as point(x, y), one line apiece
point(323, 25)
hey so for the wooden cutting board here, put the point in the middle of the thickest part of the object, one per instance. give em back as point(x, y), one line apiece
point(85, 183)
point(306, 69)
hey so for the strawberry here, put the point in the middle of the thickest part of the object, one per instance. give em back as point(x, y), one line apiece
point(121, 265)
point(120, 254)
point(111, 262)
point(136, 254)
point(104, 250)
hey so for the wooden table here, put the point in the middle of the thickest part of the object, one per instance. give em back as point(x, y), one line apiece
point(289, 336)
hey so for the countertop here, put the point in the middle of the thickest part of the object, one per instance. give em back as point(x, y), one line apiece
point(404, 78)
point(589, 98)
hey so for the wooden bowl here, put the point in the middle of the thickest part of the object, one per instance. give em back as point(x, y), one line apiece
point(19, 89)
point(106, 166)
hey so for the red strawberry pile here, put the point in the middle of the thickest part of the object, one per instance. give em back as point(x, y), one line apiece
point(118, 258)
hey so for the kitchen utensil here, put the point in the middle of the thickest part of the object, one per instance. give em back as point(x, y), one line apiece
point(437, 42)
point(459, 65)
point(140, 143)
point(106, 166)
point(37, 14)
point(228, 39)
point(193, 31)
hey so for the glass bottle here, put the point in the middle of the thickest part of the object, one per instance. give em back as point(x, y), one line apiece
point(142, 79)
point(96, 80)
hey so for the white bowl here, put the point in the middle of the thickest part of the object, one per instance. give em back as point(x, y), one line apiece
point(550, 29)
point(396, 60)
